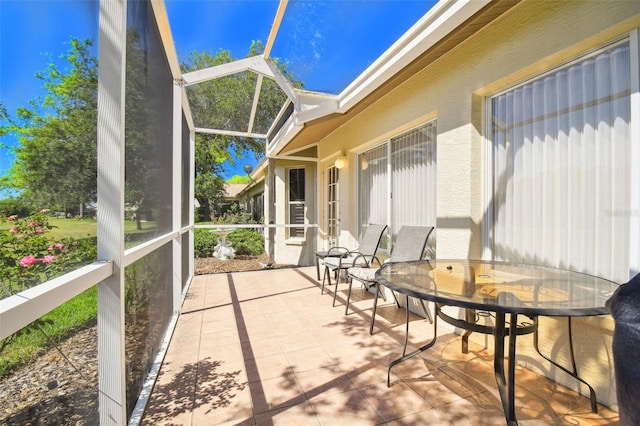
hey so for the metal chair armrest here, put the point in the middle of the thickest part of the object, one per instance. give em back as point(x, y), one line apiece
point(368, 259)
point(336, 250)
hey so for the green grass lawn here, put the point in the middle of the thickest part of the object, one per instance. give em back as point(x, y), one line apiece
point(17, 350)
point(75, 228)
point(81, 228)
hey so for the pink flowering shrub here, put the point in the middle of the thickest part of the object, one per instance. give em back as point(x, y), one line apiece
point(29, 257)
point(27, 261)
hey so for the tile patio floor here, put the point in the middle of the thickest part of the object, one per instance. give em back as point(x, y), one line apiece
point(266, 348)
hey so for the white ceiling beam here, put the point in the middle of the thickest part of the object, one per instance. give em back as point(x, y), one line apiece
point(255, 63)
point(277, 20)
point(162, 19)
point(256, 99)
point(281, 80)
point(230, 133)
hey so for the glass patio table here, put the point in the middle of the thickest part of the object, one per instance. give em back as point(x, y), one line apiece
point(501, 289)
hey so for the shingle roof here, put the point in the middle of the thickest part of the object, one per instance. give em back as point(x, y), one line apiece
point(233, 189)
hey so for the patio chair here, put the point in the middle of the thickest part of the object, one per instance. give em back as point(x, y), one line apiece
point(371, 232)
point(410, 244)
point(363, 255)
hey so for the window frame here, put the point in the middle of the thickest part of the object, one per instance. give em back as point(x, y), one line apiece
point(333, 205)
point(388, 146)
point(293, 231)
point(633, 39)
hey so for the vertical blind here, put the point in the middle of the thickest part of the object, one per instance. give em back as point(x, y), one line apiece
point(402, 190)
point(333, 176)
point(296, 201)
point(373, 193)
point(561, 167)
point(413, 176)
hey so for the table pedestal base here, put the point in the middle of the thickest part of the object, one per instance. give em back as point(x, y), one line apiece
point(504, 379)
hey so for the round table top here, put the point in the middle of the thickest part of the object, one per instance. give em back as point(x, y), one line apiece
point(500, 286)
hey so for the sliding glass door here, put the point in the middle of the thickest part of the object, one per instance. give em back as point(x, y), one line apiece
point(397, 181)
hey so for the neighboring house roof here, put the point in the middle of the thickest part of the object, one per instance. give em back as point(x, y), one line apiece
point(257, 175)
point(233, 190)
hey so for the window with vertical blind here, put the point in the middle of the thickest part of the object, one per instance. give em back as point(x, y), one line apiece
point(562, 167)
point(296, 201)
point(397, 182)
point(373, 186)
point(333, 221)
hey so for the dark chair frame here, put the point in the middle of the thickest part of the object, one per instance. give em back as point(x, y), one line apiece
point(365, 253)
point(410, 244)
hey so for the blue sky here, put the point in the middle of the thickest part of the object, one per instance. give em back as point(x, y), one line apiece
point(327, 44)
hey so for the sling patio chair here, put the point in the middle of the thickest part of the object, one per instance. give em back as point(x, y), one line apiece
point(371, 232)
point(363, 255)
point(410, 244)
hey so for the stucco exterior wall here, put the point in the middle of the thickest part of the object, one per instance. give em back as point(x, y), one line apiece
point(532, 37)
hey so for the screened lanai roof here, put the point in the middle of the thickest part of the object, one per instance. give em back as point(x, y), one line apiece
point(337, 52)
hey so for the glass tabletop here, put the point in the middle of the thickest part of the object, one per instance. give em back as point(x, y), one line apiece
point(500, 286)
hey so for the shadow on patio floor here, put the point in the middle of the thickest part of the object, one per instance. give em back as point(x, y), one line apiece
point(266, 348)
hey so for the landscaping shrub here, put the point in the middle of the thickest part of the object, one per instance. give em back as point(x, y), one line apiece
point(204, 242)
point(29, 257)
point(245, 242)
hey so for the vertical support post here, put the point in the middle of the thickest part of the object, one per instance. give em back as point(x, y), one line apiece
point(176, 202)
point(271, 210)
point(192, 197)
point(111, 183)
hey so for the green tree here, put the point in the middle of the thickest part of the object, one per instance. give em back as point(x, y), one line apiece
point(56, 159)
point(239, 179)
point(225, 103)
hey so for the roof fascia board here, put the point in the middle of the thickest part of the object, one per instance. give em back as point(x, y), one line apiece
point(436, 24)
point(296, 158)
point(286, 133)
point(281, 113)
point(254, 63)
point(310, 106)
point(443, 18)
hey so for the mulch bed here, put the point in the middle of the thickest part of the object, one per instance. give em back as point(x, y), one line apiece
point(211, 265)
